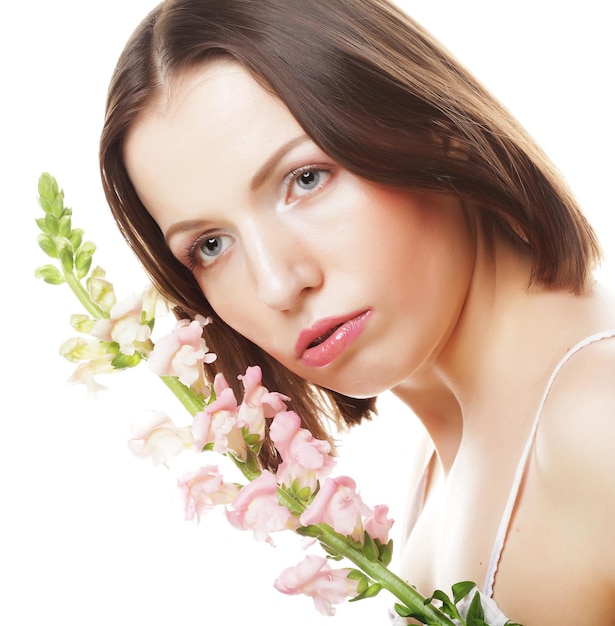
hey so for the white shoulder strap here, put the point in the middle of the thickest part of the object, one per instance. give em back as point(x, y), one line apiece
point(523, 461)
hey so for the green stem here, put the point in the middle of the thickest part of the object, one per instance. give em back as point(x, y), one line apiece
point(82, 295)
point(192, 403)
point(292, 504)
point(409, 596)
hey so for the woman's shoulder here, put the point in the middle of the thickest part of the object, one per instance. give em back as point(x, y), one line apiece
point(575, 445)
point(583, 388)
point(579, 412)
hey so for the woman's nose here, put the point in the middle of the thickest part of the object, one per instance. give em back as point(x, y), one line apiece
point(283, 268)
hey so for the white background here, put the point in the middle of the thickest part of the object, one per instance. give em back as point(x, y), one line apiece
point(90, 535)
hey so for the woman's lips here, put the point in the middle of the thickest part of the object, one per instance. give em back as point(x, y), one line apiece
point(323, 342)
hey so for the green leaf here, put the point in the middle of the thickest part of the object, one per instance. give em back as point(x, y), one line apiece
point(303, 494)
point(252, 462)
point(251, 439)
point(386, 553)
point(212, 395)
point(355, 574)
point(404, 611)
point(362, 588)
point(40, 222)
point(369, 592)
point(370, 549)
point(462, 589)
point(113, 347)
point(50, 274)
point(332, 554)
point(123, 361)
point(76, 237)
point(447, 607)
point(52, 223)
point(66, 258)
point(476, 615)
point(83, 262)
point(48, 245)
point(57, 206)
point(475, 610)
point(89, 247)
point(308, 531)
point(65, 226)
point(50, 196)
point(300, 493)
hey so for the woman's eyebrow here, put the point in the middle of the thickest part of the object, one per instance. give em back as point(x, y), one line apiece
point(181, 227)
point(264, 172)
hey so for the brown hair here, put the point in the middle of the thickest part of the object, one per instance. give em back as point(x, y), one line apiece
point(382, 98)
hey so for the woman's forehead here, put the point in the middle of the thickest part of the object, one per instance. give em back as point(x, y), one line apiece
point(220, 126)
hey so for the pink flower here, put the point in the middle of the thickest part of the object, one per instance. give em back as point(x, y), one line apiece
point(222, 429)
point(85, 372)
point(305, 458)
point(182, 352)
point(159, 439)
point(256, 508)
point(219, 423)
point(255, 394)
point(258, 403)
point(203, 489)
point(124, 325)
point(378, 525)
point(338, 505)
point(224, 422)
point(315, 578)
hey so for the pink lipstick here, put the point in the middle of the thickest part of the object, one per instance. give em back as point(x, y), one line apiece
point(323, 342)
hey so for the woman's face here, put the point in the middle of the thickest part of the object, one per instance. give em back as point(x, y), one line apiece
point(352, 285)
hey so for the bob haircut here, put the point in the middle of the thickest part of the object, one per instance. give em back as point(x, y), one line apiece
point(383, 99)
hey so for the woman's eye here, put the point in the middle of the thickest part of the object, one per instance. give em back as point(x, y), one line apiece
point(306, 181)
point(209, 248)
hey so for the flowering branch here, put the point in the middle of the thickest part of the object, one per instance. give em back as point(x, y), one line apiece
point(300, 496)
point(62, 242)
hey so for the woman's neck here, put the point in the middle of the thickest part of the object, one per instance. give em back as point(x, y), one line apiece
point(491, 372)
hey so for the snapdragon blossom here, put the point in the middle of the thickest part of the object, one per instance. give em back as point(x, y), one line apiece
point(159, 439)
point(256, 508)
point(314, 577)
point(124, 326)
point(378, 524)
point(225, 424)
point(258, 402)
point(85, 373)
point(340, 506)
point(182, 352)
point(305, 459)
point(204, 488)
point(218, 423)
point(101, 291)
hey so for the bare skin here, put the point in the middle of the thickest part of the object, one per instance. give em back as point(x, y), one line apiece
point(560, 552)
